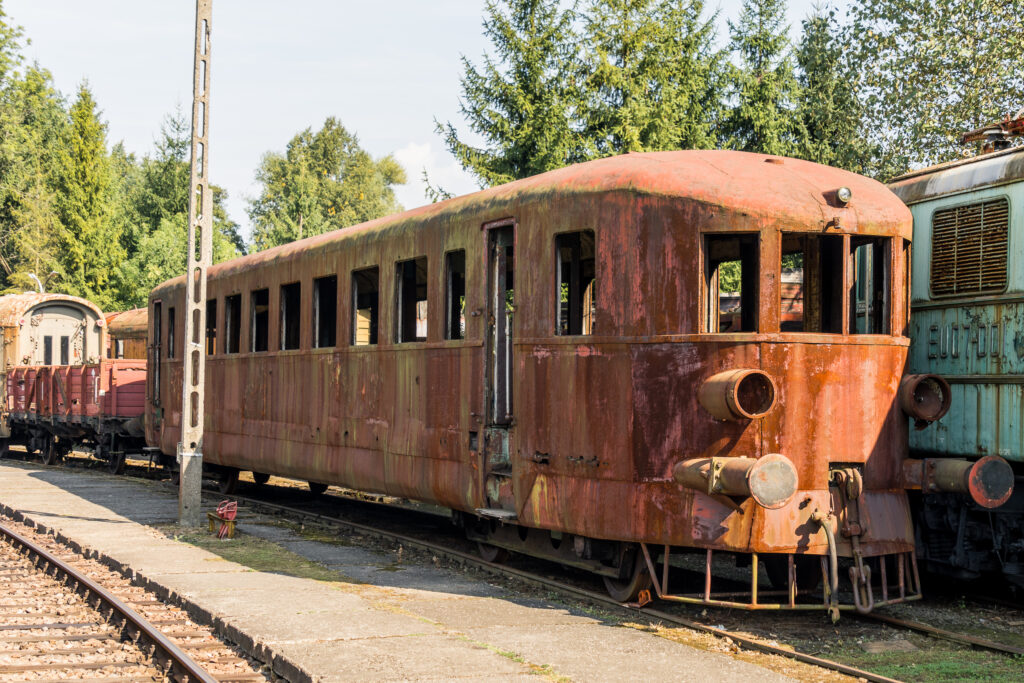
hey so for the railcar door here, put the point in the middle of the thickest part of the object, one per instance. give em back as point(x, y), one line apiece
point(499, 372)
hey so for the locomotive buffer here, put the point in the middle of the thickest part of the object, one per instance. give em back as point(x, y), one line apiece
point(200, 245)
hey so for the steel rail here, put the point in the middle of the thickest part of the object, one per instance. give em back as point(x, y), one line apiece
point(178, 660)
point(592, 596)
point(936, 632)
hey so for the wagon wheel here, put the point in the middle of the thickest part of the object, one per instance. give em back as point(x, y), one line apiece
point(260, 478)
point(492, 553)
point(316, 488)
point(227, 480)
point(808, 571)
point(115, 458)
point(626, 590)
point(51, 451)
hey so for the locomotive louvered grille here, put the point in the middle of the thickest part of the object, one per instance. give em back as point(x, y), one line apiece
point(969, 248)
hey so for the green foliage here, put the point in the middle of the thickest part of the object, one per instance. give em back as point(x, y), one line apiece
point(89, 249)
point(324, 181)
point(764, 88)
point(651, 78)
point(933, 69)
point(518, 101)
point(828, 108)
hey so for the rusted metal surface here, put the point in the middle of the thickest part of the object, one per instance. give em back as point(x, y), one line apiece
point(27, 319)
point(126, 334)
point(597, 422)
point(976, 173)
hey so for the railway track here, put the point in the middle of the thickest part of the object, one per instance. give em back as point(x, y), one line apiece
point(66, 617)
point(256, 505)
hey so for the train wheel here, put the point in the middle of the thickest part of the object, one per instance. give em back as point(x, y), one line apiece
point(51, 452)
point(227, 480)
point(492, 553)
point(316, 488)
point(115, 462)
point(627, 590)
point(260, 478)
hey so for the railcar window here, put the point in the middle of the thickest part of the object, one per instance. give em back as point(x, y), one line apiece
point(365, 306)
point(211, 327)
point(577, 282)
point(325, 311)
point(411, 297)
point(291, 320)
point(47, 350)
point(812, 284)
point(259, 321)
point(969, 248)
point(118, 348)
point(155, 357)
point(170, 332)
point(65, 350)
point(455, 284)
point(232, 323)
point(869, 285)
point(731, 277)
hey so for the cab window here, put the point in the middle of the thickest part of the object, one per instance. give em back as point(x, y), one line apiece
point(731, 283)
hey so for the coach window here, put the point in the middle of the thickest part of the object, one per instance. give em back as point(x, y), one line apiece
point(170, 332)
point(232, 323)
point(47, 350)
point(211, 327)
point(455, 298)
point(365, 306)
point(291, 320)
point(869, 285)
point(812, 288)
point(731, 276)
point(411, 299)
point(65, 350)
point(259, 320)
point(575, 288)
point(325, 311)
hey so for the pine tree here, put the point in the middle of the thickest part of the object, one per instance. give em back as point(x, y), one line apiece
point(933, 69)
point(518, 100)
point(324, 181)
point(89, 248)
point(652, 79)
point(829, 110)
point(764, 88)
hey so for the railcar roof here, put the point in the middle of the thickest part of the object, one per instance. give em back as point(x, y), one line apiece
point(128, 323)
point(975, 173)
point(745, 184)
point(13, 307)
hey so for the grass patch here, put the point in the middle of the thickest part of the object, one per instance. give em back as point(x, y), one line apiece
point(259, 555)
point(936, 664)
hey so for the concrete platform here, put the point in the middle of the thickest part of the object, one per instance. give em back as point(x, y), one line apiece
point(369, 622)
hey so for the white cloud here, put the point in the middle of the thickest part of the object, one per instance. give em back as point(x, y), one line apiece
point(443, 171)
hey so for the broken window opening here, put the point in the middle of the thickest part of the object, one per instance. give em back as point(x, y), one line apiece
point(291, 321)
point(170, 332)
point(232, 323)
point(731, 278)
point(811, 293)
point(576, 282)
point(211, 327)
point(869, 285)
point(47, 350)
point(411, 299)
point(325, 311)
point(365, 306)
point(118, 348)
point(455, 287)
point(259, 321)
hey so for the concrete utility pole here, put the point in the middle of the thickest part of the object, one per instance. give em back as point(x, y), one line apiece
point(200, 248)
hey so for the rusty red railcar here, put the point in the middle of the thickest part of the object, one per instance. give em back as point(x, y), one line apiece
point(550, 360)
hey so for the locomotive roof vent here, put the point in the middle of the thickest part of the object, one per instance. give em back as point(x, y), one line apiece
point(995, 137)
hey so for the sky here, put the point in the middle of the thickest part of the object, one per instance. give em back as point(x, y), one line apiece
point(386, 70)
